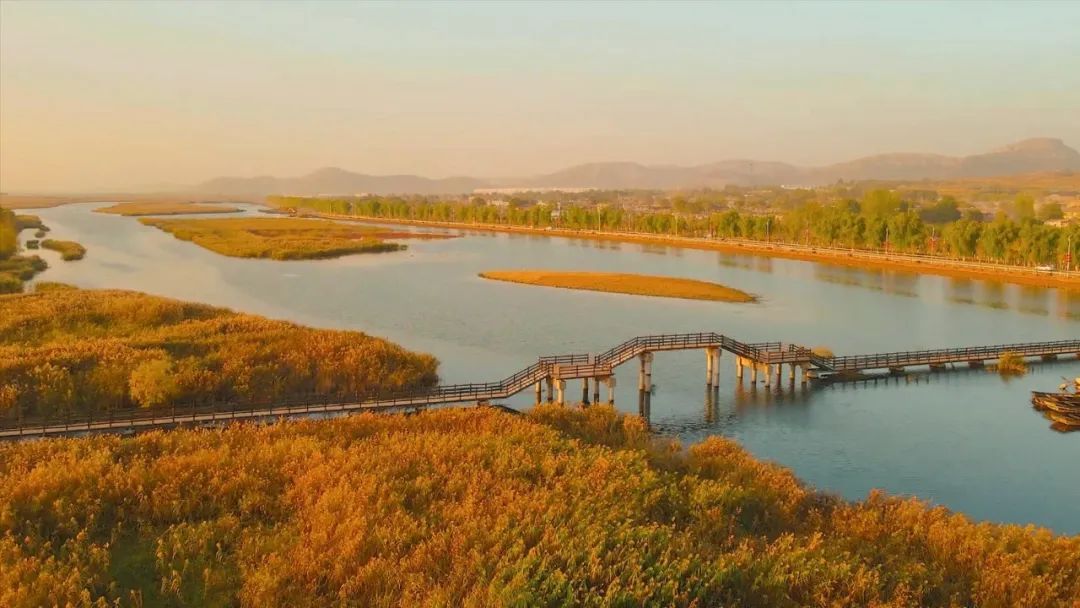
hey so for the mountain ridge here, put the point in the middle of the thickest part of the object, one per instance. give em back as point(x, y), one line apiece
point(1025, 156)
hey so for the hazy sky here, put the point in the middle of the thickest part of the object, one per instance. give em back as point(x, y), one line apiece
point(143, 94)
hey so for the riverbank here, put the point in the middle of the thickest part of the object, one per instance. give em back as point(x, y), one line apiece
point(852, 258)
point(623, 283)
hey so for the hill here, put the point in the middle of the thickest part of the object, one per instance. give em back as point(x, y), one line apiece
point(1032, 155)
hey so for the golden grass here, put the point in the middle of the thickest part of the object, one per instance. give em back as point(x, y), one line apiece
point(164, 208)
point(562, 507)
point(69, 250)
point(278, 238)
point(617, 282)
point(1011, 364)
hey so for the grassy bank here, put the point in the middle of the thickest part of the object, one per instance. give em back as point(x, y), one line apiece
point(164, 208)
point(16, 269)
point(68, 250)
point(615, 282)
point(278, 238)
point(79, 352)
point(857, 259)
point(481, 508)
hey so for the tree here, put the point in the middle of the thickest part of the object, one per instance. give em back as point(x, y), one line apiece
point(1023, 207)
point(1050, 211)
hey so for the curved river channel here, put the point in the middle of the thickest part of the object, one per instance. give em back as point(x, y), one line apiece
point(968, 439)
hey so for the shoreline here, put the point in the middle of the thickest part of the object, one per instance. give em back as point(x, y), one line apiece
point(856, 258)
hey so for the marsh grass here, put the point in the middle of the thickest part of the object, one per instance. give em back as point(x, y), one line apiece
point(633, 284)
point(68, 250)
point(562, 507)
point(277, 238)
point(1011, 364)
point(164, 208)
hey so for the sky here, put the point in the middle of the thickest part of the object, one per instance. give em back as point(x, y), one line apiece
point(159, 95)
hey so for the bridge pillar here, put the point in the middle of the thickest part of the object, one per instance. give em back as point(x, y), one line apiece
point(585, 391)
point(779, 374)
point(539, 392)
point(645, 377)
point(596, 390)
point(753, 373)
point(712, 366)
point(610, 381)
point(738, 368)
point(560, 388)
point(550, 389)
point(791, 374)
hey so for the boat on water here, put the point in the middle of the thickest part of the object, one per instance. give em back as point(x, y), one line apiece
point(1063, 407)
point(1066, 403)
point(1068, 420)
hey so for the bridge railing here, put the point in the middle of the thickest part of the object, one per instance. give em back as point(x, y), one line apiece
point(951, 355)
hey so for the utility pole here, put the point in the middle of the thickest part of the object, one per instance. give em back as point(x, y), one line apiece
point(767, 220)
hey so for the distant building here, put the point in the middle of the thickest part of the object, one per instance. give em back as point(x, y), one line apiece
point(498, 203)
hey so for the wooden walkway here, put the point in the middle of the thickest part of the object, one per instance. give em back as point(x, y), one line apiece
point(771, 355)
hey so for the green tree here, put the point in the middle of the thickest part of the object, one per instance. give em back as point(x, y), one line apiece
point(1050, 211)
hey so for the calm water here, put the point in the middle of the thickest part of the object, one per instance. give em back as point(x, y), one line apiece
point(968, 440)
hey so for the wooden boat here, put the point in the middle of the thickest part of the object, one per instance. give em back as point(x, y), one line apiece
point(1068, 420)
point(1065, 403)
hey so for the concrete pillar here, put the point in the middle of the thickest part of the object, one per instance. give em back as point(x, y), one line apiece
point(712, 366)
point(765, 367)
point(596, 390)
point(805, 373)
point(753, 373)
point(779, 374)
point(539, 393)
point(550, 389)
point(645, 377)
point(560, 388)
point(585, 391)
point(610, 381)
point(791, 374)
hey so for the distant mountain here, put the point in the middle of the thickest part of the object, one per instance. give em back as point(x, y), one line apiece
point(333, 180)
point(1028, 156)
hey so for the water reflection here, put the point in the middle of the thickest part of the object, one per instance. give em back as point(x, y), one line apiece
point(938, 436)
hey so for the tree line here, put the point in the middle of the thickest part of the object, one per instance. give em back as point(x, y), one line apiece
point(879, 220)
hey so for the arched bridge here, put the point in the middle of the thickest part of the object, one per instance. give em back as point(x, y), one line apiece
point(765, 361)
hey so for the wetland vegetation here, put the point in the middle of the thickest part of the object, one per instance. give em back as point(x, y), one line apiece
point(279, 238)
point(90, 352)
point(68, 250)
point(14, 268)
point(164, 208)
point(624, 283)
point(564, 506)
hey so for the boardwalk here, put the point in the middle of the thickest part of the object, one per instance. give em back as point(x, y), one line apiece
point(767, 359)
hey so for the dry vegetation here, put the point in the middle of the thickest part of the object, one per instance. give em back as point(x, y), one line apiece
point(68, 250)
point(164, 208)
point(14, 268)
point(481, 508)
point(77, 352)
point(1011, 364)
point(615, 282)
point(278, 238)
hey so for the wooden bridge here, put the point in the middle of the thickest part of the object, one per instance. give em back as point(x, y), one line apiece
point(765, 359)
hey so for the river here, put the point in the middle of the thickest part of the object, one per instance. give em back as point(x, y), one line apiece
point(968, 440)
